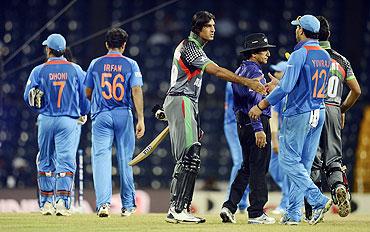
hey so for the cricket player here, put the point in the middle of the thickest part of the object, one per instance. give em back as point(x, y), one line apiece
point(304, 85)
point(275, 124)
point(329, 155)
point(232, 138)
point(113, 83)
point(181, 109)
point(55, 90)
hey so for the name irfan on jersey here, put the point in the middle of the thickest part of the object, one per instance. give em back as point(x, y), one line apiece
point(112, 68)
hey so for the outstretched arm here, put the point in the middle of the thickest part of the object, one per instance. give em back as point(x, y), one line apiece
point(227, 75)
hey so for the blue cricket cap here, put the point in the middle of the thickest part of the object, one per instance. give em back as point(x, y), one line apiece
point(56, 42)
point(279, 67)
point(307, 22)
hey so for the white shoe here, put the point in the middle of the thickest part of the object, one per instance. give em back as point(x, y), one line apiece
point(61, 209)
point(318, 214)
point(104, 210)
point(278, 211)
point(183, 217)
point(227, 216)
point(243, 211)
point(263, 219)
point(127, 212)
point(284, 220)
point(188, 212)
point(47, 209)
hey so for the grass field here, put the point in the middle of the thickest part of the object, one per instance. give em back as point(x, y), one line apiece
point(155, 222)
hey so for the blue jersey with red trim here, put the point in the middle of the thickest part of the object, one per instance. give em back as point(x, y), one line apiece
point(62, 84)
point(305, 79)
point(111, 78)
point(229, 116)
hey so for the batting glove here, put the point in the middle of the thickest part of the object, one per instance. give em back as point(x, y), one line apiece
point(35, 97)
point(159, 113)
point(82, 120)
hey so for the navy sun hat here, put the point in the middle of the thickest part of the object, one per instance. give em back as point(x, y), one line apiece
point(55, 42)
point(256, 41)
point(307, 22)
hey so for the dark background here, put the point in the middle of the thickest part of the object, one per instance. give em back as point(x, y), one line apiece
point(152, 39)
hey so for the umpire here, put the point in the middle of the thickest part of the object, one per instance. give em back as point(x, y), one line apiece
point(254, 136)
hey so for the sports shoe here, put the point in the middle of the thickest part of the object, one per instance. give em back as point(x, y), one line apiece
point(201, 220)
point(263, 219)
point(227, 216)
point(278, 211)
point(182, 217)
point(285, 220)
point(243, 210)
point(318, 214)
point(61, 209)
point(47, 209)
point(342, 197)
point(104, 210)
point(127, 212)
point(306, 219)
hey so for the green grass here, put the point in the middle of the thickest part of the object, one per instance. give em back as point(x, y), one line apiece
point(155, 222)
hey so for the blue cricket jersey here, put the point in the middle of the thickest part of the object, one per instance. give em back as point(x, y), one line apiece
point(245, 98)
point(111, 78)
point(278, 108)
point(62, 84)
point(305, 79)
point(229, 116)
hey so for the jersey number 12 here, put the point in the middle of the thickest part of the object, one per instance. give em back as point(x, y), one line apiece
point(318, 91)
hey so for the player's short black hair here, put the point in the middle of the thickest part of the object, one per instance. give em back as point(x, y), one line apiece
point(56, 53)
point(200, 19)
point(116, 37)
point(310, 34)
point(324, 28)
point(69, 55)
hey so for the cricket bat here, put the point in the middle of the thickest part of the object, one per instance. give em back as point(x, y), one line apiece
point(150, 148)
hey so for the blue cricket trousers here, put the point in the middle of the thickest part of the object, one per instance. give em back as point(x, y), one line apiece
point(280, 179)
point(298, 145)
point(58, 139)
point(108, 127)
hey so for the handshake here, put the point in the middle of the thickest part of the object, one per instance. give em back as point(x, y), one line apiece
point(35, 98)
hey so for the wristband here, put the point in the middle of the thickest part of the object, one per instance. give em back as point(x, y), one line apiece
point(259, 107)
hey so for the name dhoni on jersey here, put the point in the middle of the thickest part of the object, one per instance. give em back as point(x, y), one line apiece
point(112, 68)
point(321, 63)
point(58, 76)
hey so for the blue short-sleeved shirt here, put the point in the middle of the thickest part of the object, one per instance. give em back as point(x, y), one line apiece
point(111, 77)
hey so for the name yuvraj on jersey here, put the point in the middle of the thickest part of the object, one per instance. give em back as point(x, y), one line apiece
point(321, 63)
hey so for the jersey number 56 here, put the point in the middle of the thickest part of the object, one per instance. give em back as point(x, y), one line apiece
point(113, 88)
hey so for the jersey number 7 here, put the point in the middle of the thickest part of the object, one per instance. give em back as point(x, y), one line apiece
point(61, 84)
point(115, 90)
